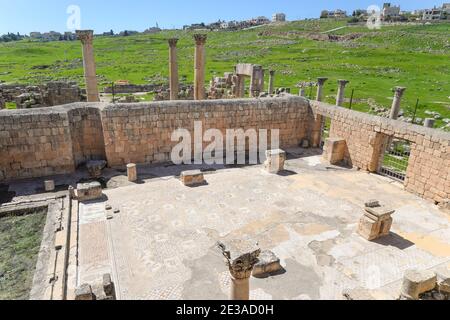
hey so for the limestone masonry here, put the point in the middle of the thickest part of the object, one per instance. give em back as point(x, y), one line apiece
point(57, 140)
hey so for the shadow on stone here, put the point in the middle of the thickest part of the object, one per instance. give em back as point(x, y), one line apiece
point(394, 240)
point(271, 274)
point(6, 196)
point(197, 185)
point(287, 173)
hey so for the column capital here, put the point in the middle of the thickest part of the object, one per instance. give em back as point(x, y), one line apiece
point(200, 39)
point(86, 36)
point(321, 81)
point(241, 256)
point(399, 91)
point(173, 42)
point(343, 82)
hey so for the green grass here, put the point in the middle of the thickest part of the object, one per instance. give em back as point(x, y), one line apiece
point(11, 105)
point(20, 241)
point(416, 57)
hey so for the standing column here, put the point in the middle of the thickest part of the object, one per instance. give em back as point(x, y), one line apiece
point(173, 69)
point(90, 75)
point(301, 93)
point(341, 93)
point(199, 74)
point(399, 91)
point(271, 81)
point(320, 83)
point(241, 256)
point(241, 86)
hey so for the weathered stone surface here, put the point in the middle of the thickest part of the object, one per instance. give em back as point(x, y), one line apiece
point(380, 212)
point(358, 294)
point(108, 286)
point(49, 185)
point(443, 274)
point(417, 282)
point(132, 172)
point(334, 150)
point(275, 160)
point(95, 168)
point(192, 178)
point(268, 263)
point(89, 191)
point(84, 292)
point(241, 256)
point(372, 204)
point(369, 228)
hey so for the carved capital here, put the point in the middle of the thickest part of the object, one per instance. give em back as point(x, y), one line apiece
point(173, 42)
point(240, 256)
point(200, 39)
point(399, 91)
point(85, 36)
point(321, 81)
point(343, 83)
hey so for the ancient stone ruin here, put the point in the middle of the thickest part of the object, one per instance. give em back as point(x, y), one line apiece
point(47, 95)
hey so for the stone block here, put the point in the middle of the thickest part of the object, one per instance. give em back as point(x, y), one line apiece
point(369, 228)
point(268, 264)
point(372, 204)
point(132, 172)
point(334, 150)
point(108, 286)
point(84, 293)
point(443, 274)
point(380, 212)
point(49, 185)
point(192, 178)
point(275, 160)
point(385, 228)
point(417, 282)
point(60, 240)
point(89, 191)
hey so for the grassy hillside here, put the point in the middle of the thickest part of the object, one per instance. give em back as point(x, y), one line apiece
point(417, 57)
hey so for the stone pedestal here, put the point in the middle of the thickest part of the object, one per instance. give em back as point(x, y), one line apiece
point(199, 72)
point(49, 185)
point(132, 172)
point(271, 81)
point(334, 150)
point(341, 93)
point(416, 283)
point(173, 69)
point(275, 160)
point(376, 222)
point(87, 37)
point(89, 191)
point(241, 256)
point(192, 178)
point(396, 104)
point(320, 84)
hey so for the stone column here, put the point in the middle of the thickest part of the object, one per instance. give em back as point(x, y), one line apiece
point(395, 110)
point(173, 69)
point(429, 122)
point(199, 74)
point(301, 93)
point(241, 256)
point(320, 84)
point(90, 75)
point(132, 172)
point(341, 93)
point(271, 81)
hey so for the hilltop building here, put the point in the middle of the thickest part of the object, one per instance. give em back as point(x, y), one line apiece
point(279, 17)
point(337, 14)
point(432, 14)
point(390, 12)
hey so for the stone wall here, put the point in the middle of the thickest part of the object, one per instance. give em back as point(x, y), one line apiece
point(48, 141)
point(141, 133)
point(428, 173)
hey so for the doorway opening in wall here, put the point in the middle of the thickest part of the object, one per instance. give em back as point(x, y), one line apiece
point(395, 158)
point(326, 128)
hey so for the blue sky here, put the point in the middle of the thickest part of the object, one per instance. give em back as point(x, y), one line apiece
point(25, 16)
